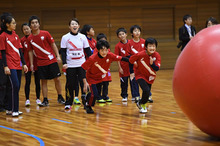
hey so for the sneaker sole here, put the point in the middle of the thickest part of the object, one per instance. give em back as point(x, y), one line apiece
point(101, 101)
point(15, 115)
point(41, 105)
point(76, 103)
point(142, 112)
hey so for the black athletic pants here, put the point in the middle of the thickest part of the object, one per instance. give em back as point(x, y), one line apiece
point(102, 89)
point(71, 82)
point(145, 90)
point(28, 83)
point(5, 88)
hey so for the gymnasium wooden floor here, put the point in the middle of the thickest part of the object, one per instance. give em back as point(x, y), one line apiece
point(114, 123)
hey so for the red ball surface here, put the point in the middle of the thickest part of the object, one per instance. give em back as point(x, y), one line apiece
point(196, 80)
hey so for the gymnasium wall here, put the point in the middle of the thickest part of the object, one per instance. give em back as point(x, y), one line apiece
point(158, 18)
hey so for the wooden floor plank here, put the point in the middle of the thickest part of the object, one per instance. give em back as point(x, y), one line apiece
point(113, 123)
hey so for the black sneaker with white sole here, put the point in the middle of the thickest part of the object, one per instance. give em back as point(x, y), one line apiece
point(44, 103)
point(150, 100)
point(60, 100)
point(89, 110)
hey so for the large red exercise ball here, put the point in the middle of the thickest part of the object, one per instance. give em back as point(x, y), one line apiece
point(196, 80)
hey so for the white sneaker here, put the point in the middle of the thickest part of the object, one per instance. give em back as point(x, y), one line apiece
point(8, 112)
point(143, 108)
point(68, 107)
point(133, 99)
point(27, 103)
point(38, 102)
point(15, 114)
point(124, 99)
point(20, 113)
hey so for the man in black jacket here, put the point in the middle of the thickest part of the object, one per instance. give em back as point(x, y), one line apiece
point(186, 32)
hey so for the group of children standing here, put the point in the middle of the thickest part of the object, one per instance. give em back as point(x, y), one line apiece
point(86, 62)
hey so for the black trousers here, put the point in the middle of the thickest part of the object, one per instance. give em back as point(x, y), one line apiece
point(91, 98)
point(71, 82)
point(79, 82)
point(145, 90)
point(5, 87)
point(28, 83)
point(102, 89)
point(124, 86)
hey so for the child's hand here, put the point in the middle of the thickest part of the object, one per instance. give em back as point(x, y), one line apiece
point(25, 69)
point(135, 64)
point(7, 70)
point(86, 87)
point(32, 68)
point(121, 70)
point(65, 66)
point(151, 60)
point(58, 59)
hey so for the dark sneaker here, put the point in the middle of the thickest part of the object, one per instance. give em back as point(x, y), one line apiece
point(8, 112)
point(61, 100)
point(150, 100)
point(83, 97)
point(137, 99)
point(107, 99)
point(89, 110)
point(44, 103)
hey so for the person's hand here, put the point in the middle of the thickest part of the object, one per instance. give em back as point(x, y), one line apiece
point(86, 87)
point(32, 68)
point(7, 70)
point(135, 64)
point(65, 66)
point(132, 76)
point(58, 59)
point(121, 70)
point(25, 69)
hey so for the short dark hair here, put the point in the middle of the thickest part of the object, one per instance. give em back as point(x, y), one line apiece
point(213, 20)
point(74, 19)
point(121, 30)
point(86, 28)
point(185, 17)
point(133, 27)
point(4, 15)
point(150, 40)
point(100, 36)
point(32, 18)
point(24, 24)
point(102, 43)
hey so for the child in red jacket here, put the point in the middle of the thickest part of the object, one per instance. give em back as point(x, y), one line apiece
point(96, 69)
point(148, 62)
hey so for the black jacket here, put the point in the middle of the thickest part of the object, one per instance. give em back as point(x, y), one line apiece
point(184, 35)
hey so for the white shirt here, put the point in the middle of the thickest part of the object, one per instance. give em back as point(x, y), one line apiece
point(189, 30)
point(75, 45)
